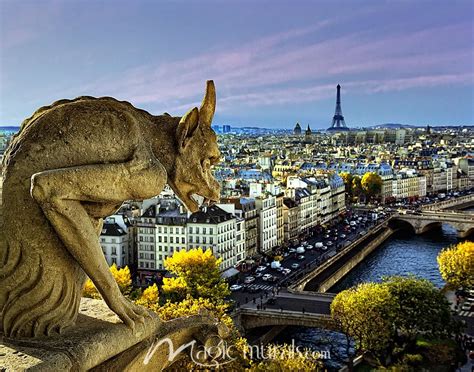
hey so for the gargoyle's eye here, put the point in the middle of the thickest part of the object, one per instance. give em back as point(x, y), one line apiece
point(214, 160)
point(206, 164)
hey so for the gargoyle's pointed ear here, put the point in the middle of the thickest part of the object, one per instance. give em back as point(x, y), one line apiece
point(208, 106)
point(186, 127)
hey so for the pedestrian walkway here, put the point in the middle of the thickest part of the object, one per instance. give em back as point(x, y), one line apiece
point(466, 313)
point(261, 287)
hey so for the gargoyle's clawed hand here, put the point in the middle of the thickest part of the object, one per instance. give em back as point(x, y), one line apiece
point(127, 311)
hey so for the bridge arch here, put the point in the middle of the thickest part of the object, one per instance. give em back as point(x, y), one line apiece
point(400, 224)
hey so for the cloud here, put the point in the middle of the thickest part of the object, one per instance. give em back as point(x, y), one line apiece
point(291, 67)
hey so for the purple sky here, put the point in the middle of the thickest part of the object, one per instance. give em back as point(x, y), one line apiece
point(274, 62)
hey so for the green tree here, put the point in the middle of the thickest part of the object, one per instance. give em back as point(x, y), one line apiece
point(421, 309)
point(197, 274)
point(456, 265)
point(371, 184)
point(365, 313)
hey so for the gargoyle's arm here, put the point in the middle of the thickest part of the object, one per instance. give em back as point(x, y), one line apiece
point(61, 194)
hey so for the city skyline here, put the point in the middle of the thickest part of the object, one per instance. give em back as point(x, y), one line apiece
point(273, 66)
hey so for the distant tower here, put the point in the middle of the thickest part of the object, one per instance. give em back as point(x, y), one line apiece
point(338, 123)
point(308, 134)
point(297, 130)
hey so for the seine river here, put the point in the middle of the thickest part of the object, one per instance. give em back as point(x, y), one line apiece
point(403, 254)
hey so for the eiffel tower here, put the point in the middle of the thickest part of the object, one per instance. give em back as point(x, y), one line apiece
point(338, 123)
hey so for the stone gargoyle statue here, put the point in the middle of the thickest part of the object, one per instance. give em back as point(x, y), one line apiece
point(71, 164)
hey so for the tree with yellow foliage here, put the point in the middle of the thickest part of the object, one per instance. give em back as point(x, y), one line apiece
point(121, 276)
point(197, 274)
point(456, 265)
point(366, 313)
point(149, 298)
point(371, 184)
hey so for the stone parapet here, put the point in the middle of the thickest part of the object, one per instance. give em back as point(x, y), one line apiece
point(101, 342)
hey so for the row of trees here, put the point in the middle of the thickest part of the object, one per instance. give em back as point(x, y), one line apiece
point(369, 185)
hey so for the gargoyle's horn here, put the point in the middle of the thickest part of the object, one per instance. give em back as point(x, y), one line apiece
point(208, 106)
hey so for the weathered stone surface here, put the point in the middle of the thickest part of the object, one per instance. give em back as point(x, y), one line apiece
point(97, 341)
point(72, 164)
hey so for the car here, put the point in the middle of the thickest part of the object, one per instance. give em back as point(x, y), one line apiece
point(352, 223)
point(235, 287)
point(260, 268)
point(301, 257)
point(292, 250)
point(267, 277)
point(286, 271)
point(249, 279)
point(295, 265)
point(326, 236)
point(343, 236)
point(329, 244)
point(467, 307)
point(285, 254)
point(319, 245)
point(273, 279)
point(258, 275)
point(271, 301)
point(309, 247)
point(324, 248)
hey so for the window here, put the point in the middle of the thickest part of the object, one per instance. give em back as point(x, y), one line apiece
point(114, 250)
point(114, 260)
point(141, 255)
point(152, 265)
point(182, 240)
point(203, 230)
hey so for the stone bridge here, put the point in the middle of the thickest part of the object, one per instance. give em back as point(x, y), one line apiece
point(459, 202)
point(462, 222)
point(290, 309)
point(247, 319)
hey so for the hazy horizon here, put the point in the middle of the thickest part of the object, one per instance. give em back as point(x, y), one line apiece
point(274, 63)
